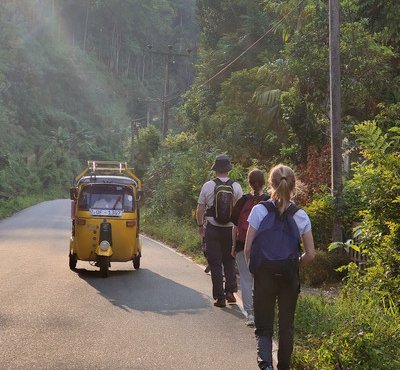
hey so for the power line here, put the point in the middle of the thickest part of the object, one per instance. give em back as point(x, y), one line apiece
point(253, 44)
point(273, 28)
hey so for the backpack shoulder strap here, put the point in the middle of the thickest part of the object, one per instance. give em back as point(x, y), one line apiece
point(248, 196)
point(292, 209)
point(260, 198)
point(269, 206)
point(242, 201)
point(264, 197)
point(217, 181)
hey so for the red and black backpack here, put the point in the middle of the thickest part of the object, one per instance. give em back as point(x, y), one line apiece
point(242, 211)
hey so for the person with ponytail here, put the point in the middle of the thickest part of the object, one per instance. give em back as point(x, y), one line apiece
point(240, 214)
point(276, 278)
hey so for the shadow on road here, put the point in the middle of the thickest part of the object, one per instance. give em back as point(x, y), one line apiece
point(144, 290)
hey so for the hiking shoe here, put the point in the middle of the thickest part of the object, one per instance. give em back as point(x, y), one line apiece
point(230, 297)
point(268, 367)
point(250, 321)
point(220, 303)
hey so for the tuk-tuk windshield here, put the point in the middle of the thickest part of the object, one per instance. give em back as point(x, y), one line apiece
point(106, 196)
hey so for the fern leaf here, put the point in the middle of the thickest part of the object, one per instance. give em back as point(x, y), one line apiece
point(372, 140)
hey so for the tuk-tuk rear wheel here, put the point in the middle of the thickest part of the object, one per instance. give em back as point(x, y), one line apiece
point(72, 261)
point(103, 263)
point(136, 262)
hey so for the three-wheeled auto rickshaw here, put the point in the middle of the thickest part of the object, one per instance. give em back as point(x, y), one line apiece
point(105, 216)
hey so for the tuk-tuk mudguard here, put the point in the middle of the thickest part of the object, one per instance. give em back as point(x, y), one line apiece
point(100, 252)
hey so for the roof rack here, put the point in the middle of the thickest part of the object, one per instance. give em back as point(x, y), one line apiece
point(108, 168)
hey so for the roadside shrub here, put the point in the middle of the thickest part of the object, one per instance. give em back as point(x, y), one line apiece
point(18, 179)
point(353, 332)
point(369, 337)
point(317, 172)
point(314, 316)
point(365, 331)
point(314, 321)
point(352, 207)
point(377, 181)
point(323, 269)
point(176, 174)
point(144, 148)
point(320, 211)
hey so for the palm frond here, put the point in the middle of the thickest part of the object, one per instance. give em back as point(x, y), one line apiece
point(267, 98)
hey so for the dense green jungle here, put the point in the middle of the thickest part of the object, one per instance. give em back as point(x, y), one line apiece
point(83, 80)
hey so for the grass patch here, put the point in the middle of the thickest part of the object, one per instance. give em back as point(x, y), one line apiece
point(355, 333)
point(178, 233)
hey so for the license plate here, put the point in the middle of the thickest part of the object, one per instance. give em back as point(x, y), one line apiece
point(106, 212)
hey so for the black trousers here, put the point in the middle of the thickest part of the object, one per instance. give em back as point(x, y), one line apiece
point(218, 251)
point(277, 281)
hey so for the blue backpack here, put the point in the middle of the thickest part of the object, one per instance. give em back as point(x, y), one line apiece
point(277, 241)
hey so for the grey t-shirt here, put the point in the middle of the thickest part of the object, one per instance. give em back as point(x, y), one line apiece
point(206, 197)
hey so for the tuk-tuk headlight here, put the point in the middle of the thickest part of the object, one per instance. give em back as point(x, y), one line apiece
point(104, 245)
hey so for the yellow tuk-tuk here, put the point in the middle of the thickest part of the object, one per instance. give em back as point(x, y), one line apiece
point(105, 216)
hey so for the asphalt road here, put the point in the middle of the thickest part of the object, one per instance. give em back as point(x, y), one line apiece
point(158, 317)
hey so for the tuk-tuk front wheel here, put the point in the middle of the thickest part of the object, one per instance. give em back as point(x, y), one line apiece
point(72, 261)
point(136, 261)
point(104, 263)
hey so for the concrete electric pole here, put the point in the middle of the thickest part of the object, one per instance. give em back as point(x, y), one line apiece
point(335, 115)
point(169, 58)
point(166, 92)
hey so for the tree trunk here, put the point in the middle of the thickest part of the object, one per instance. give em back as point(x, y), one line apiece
point(117, 50)
point(127, 65)
point(136, 68)
point(86, 26)
point(112, 48)
point(144, 66)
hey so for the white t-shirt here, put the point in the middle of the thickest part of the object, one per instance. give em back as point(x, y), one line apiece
point(259, 211)
point(206, 197)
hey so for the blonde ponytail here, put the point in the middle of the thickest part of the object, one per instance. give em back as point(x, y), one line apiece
point(282, 183)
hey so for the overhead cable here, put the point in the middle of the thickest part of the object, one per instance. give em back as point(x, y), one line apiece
point(253, 44)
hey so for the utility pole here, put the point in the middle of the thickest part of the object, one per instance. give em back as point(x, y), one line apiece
point(169, 58)
point(134, 133)
point(132, 142)
point(335, 115)
point(166, 93)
